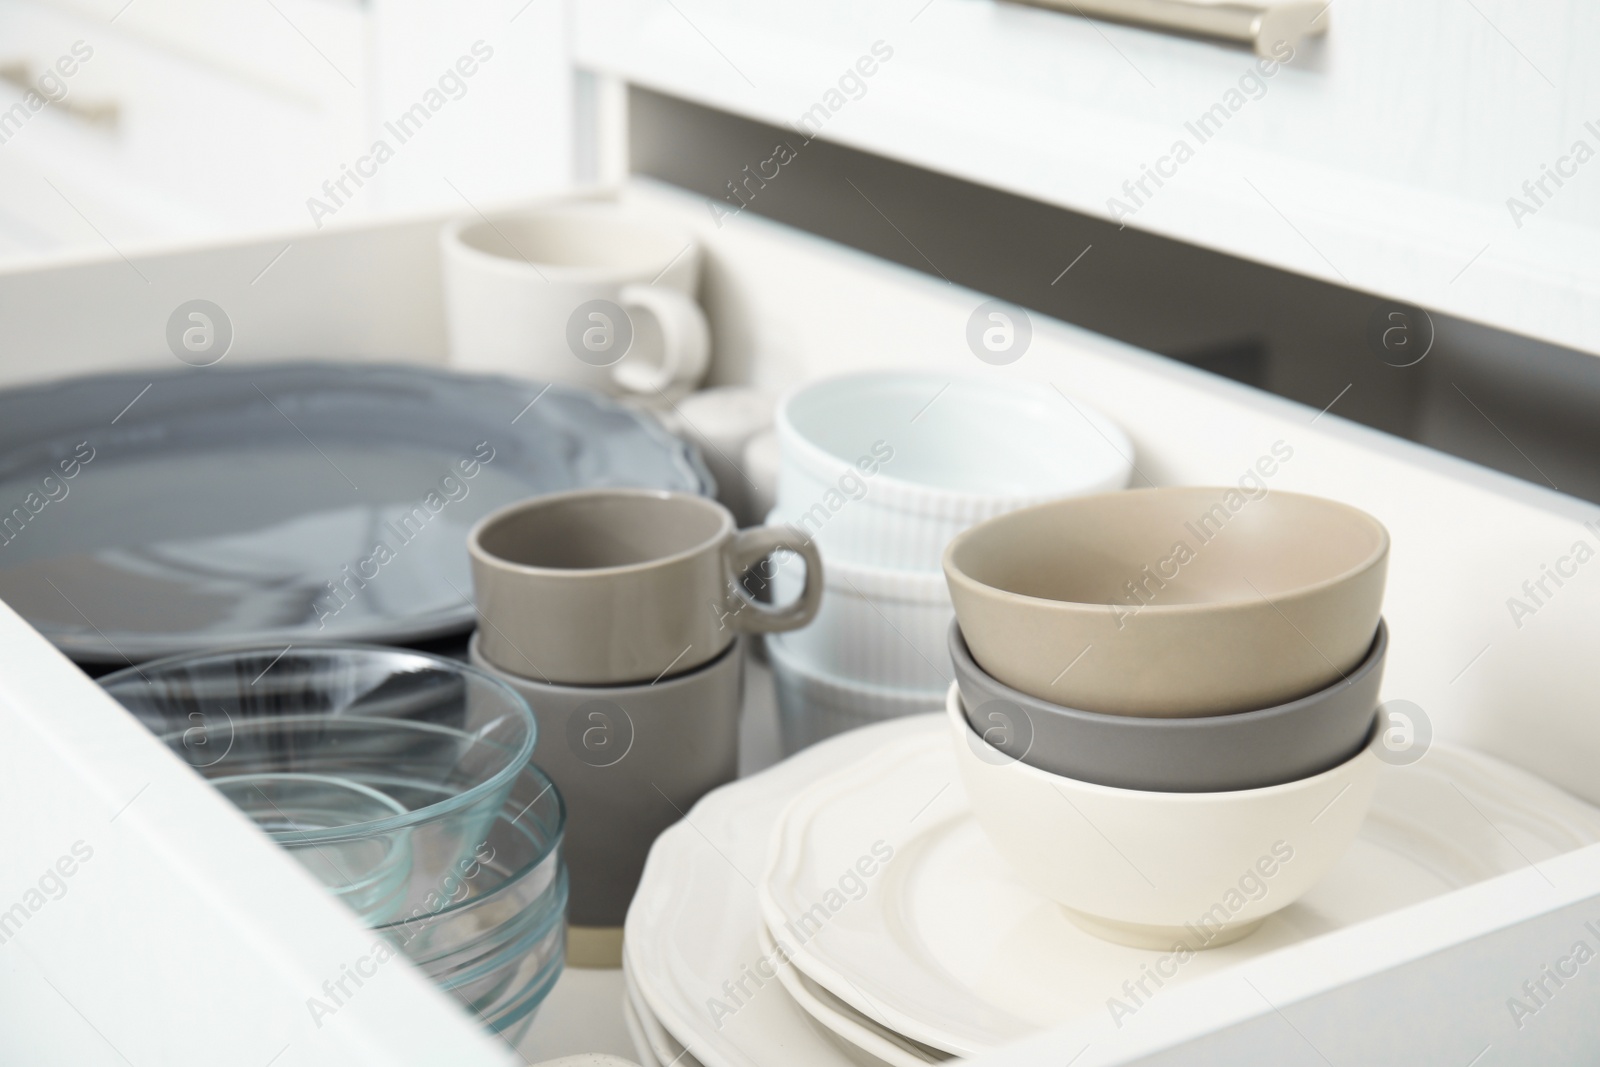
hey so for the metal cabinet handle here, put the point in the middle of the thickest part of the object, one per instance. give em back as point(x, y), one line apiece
point(1262, 24)
point(102, 113)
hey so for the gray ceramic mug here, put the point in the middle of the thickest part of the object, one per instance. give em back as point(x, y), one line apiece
point(629, 761)
point(623, 586)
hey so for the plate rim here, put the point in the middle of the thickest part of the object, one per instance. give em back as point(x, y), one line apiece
point(835, 1020)
point(642, 940)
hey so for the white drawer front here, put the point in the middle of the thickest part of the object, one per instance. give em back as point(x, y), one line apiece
point(177, 145)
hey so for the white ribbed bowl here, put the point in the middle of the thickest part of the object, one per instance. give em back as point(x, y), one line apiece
point(877, 625)
point(882, 469)
point(814, 705)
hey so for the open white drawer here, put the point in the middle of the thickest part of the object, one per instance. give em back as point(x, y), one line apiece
point(1426, 985)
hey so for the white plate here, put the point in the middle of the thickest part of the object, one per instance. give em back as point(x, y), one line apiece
point(663, 1047)
point(849, 1025)
point(692, 926)
point(641, 1047)
point(947, 947)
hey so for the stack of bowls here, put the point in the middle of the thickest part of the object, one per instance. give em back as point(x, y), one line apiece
point(881, 470)
point(399, 780)
point(494, 936)
point(1166, 699)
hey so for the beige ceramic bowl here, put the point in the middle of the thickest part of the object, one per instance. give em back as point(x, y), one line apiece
point(1171, 602)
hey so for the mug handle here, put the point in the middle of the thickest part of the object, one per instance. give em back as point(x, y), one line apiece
point(747, 547)
point(685, 340)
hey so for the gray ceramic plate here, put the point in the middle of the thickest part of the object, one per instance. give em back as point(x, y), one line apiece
point(285, 503)
point(1209, 754)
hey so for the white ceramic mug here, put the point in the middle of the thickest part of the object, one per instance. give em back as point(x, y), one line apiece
point(588, 294)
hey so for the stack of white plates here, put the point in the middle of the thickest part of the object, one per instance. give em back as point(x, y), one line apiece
point(845, 908)
point(881, 470)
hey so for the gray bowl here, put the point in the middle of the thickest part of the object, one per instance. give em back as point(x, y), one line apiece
point(1211, 754)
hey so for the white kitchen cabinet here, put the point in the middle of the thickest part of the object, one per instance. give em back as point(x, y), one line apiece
point(1382, 159)
point(241, 117)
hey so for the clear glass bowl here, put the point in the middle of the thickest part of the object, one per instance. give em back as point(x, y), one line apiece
point(493, 932)
point(440, 742)
point(368, 872)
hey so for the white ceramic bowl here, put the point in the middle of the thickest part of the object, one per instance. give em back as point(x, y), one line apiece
point(813, 704)
point(882, 469)
point(1159, 870)
point(876, 625)
point(721, 422)
point(759, 465)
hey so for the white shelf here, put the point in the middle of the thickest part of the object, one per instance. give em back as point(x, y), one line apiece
point(1381, 159)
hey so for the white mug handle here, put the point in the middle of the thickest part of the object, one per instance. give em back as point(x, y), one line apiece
point(685, 341)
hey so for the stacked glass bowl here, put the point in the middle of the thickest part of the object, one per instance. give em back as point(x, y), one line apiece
point(401, 781)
